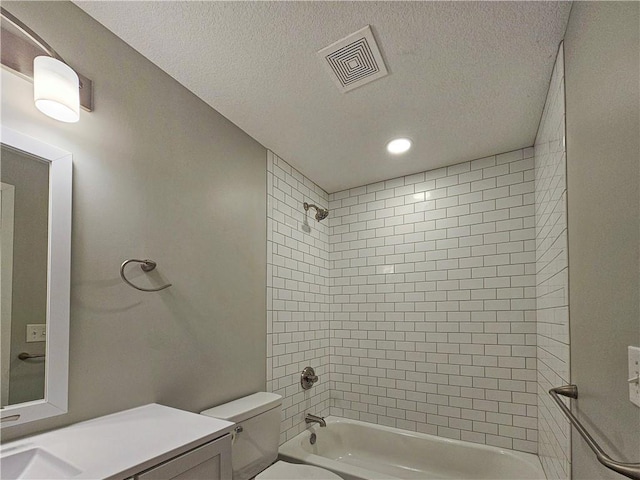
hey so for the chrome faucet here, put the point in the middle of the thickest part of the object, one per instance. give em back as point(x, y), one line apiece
point(310, 418)
point(9, 418)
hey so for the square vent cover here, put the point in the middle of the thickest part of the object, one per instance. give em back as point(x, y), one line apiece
point(355, 60)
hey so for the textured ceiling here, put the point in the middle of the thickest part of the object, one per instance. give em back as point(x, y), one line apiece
point(467, 79)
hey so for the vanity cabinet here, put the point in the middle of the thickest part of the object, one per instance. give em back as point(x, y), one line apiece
point(152, 442)
point(211, 461)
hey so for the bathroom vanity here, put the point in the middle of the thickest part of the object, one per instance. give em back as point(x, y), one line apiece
point(144, 443)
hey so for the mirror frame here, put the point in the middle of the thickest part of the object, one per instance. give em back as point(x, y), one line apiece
point(55, 401)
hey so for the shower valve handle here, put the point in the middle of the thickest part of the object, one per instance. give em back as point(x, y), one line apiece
point(307, 378)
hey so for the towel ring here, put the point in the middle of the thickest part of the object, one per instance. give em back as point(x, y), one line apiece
point(146, 266)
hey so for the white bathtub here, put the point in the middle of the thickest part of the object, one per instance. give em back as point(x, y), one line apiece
point(364, 451)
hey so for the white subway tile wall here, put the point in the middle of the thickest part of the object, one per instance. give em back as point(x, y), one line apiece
point(297, 294)
point(552, 278)
point(433, 325)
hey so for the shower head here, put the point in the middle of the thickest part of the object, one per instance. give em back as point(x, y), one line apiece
point(321, 213)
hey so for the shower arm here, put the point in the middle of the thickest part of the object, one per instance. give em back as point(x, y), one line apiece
point(307, 206)
point(321, 213)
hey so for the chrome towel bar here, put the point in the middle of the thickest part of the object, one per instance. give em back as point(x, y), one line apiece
point(27, 356)
point(631, 470)
point(146, 266)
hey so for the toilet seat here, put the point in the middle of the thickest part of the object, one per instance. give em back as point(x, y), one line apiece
point(293, 471)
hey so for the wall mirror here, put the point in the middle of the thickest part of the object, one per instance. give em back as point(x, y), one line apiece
point(35, 258)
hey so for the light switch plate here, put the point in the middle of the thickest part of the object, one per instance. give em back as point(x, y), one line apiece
point(634, 375)
point(36, 332)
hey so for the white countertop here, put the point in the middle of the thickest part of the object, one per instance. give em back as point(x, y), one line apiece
point(124, 443)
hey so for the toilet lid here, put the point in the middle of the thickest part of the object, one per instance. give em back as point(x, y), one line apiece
point(293, 471)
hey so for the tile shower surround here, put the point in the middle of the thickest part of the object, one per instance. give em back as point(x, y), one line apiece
point(424, 309)
point(297, 294)
point(552, 280)
point(433, 302)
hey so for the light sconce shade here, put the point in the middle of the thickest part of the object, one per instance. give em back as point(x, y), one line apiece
point(56, 89)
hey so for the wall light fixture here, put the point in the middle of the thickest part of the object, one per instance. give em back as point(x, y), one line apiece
point(58, 91)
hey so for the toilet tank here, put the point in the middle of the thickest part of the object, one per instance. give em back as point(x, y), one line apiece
point(257, 437)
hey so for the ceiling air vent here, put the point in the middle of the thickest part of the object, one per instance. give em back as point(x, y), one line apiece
point(354, 61)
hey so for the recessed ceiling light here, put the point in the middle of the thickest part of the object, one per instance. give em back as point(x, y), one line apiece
point(398, 145)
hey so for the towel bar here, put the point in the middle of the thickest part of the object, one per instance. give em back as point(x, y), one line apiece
point(631, 470)
point(27, 356)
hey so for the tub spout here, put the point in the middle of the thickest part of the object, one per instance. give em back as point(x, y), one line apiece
point(310, 418)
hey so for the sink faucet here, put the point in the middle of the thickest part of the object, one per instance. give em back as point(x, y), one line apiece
point(310, 418)
point(9, 418)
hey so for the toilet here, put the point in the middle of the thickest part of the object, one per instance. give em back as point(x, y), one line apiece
point(256, 439)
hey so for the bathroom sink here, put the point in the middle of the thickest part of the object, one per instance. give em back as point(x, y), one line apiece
point(35, 463)
point(119, 445)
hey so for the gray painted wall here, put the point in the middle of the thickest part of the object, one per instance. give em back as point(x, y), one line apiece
point(157, 174)
point(603, 151)
point(30, 177)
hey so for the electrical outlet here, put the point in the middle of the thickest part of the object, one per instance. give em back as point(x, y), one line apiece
point(36, 332)
point(634, 375)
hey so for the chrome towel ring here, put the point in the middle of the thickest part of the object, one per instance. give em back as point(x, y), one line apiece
point(146, 266)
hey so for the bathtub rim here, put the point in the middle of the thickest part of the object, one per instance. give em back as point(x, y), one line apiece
point(291, 451)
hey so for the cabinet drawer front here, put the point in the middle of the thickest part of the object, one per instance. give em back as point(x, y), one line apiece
point(211, 461)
